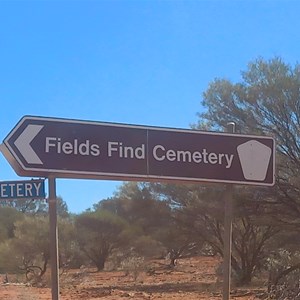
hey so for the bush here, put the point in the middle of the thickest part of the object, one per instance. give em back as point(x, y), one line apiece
point(284, 275)
point(133, 266)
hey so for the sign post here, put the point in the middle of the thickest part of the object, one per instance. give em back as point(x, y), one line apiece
point(53, 238)
point(228, 232)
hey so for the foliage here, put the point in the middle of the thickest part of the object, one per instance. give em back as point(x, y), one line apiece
point(70, 255)
point(265, 102)
point(148, 216)
point(98, 234)
point(147, 246)
point(8, 216)
point(143, 206)
point(31, 246)
point(27, 250)
point(284, 275)
point(133, 265)
point(8, 257)
point(198, 212)
point(26, 206)
point(62, 208)
point(137, 205)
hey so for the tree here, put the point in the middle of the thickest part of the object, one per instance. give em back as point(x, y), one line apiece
point(266, 101)
point(31, 246)
point(26, 205)
point(8, 217)
point(143, 208)
point(69, 253)
point(27, 250)
point(62, 208)
point(198, 212)
point(178, 239)
point(98, 234)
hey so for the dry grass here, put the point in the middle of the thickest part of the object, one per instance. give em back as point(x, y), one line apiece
point(191, 279)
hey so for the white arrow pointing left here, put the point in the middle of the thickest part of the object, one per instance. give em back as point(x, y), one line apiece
point(23, 144)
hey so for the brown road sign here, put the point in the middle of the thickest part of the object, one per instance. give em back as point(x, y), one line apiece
point(40, 146)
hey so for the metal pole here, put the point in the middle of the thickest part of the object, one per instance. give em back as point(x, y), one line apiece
point(53, 238)
point(228, 232)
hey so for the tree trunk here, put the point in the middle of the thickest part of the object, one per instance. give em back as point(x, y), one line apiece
point(173, 261)
point(100, 263)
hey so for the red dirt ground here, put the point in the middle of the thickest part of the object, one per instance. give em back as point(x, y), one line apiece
point(191, 279)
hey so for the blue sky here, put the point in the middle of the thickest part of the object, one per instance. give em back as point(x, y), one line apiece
point(137, 62)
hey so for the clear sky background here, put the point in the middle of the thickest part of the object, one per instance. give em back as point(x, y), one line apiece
point(138, 62)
